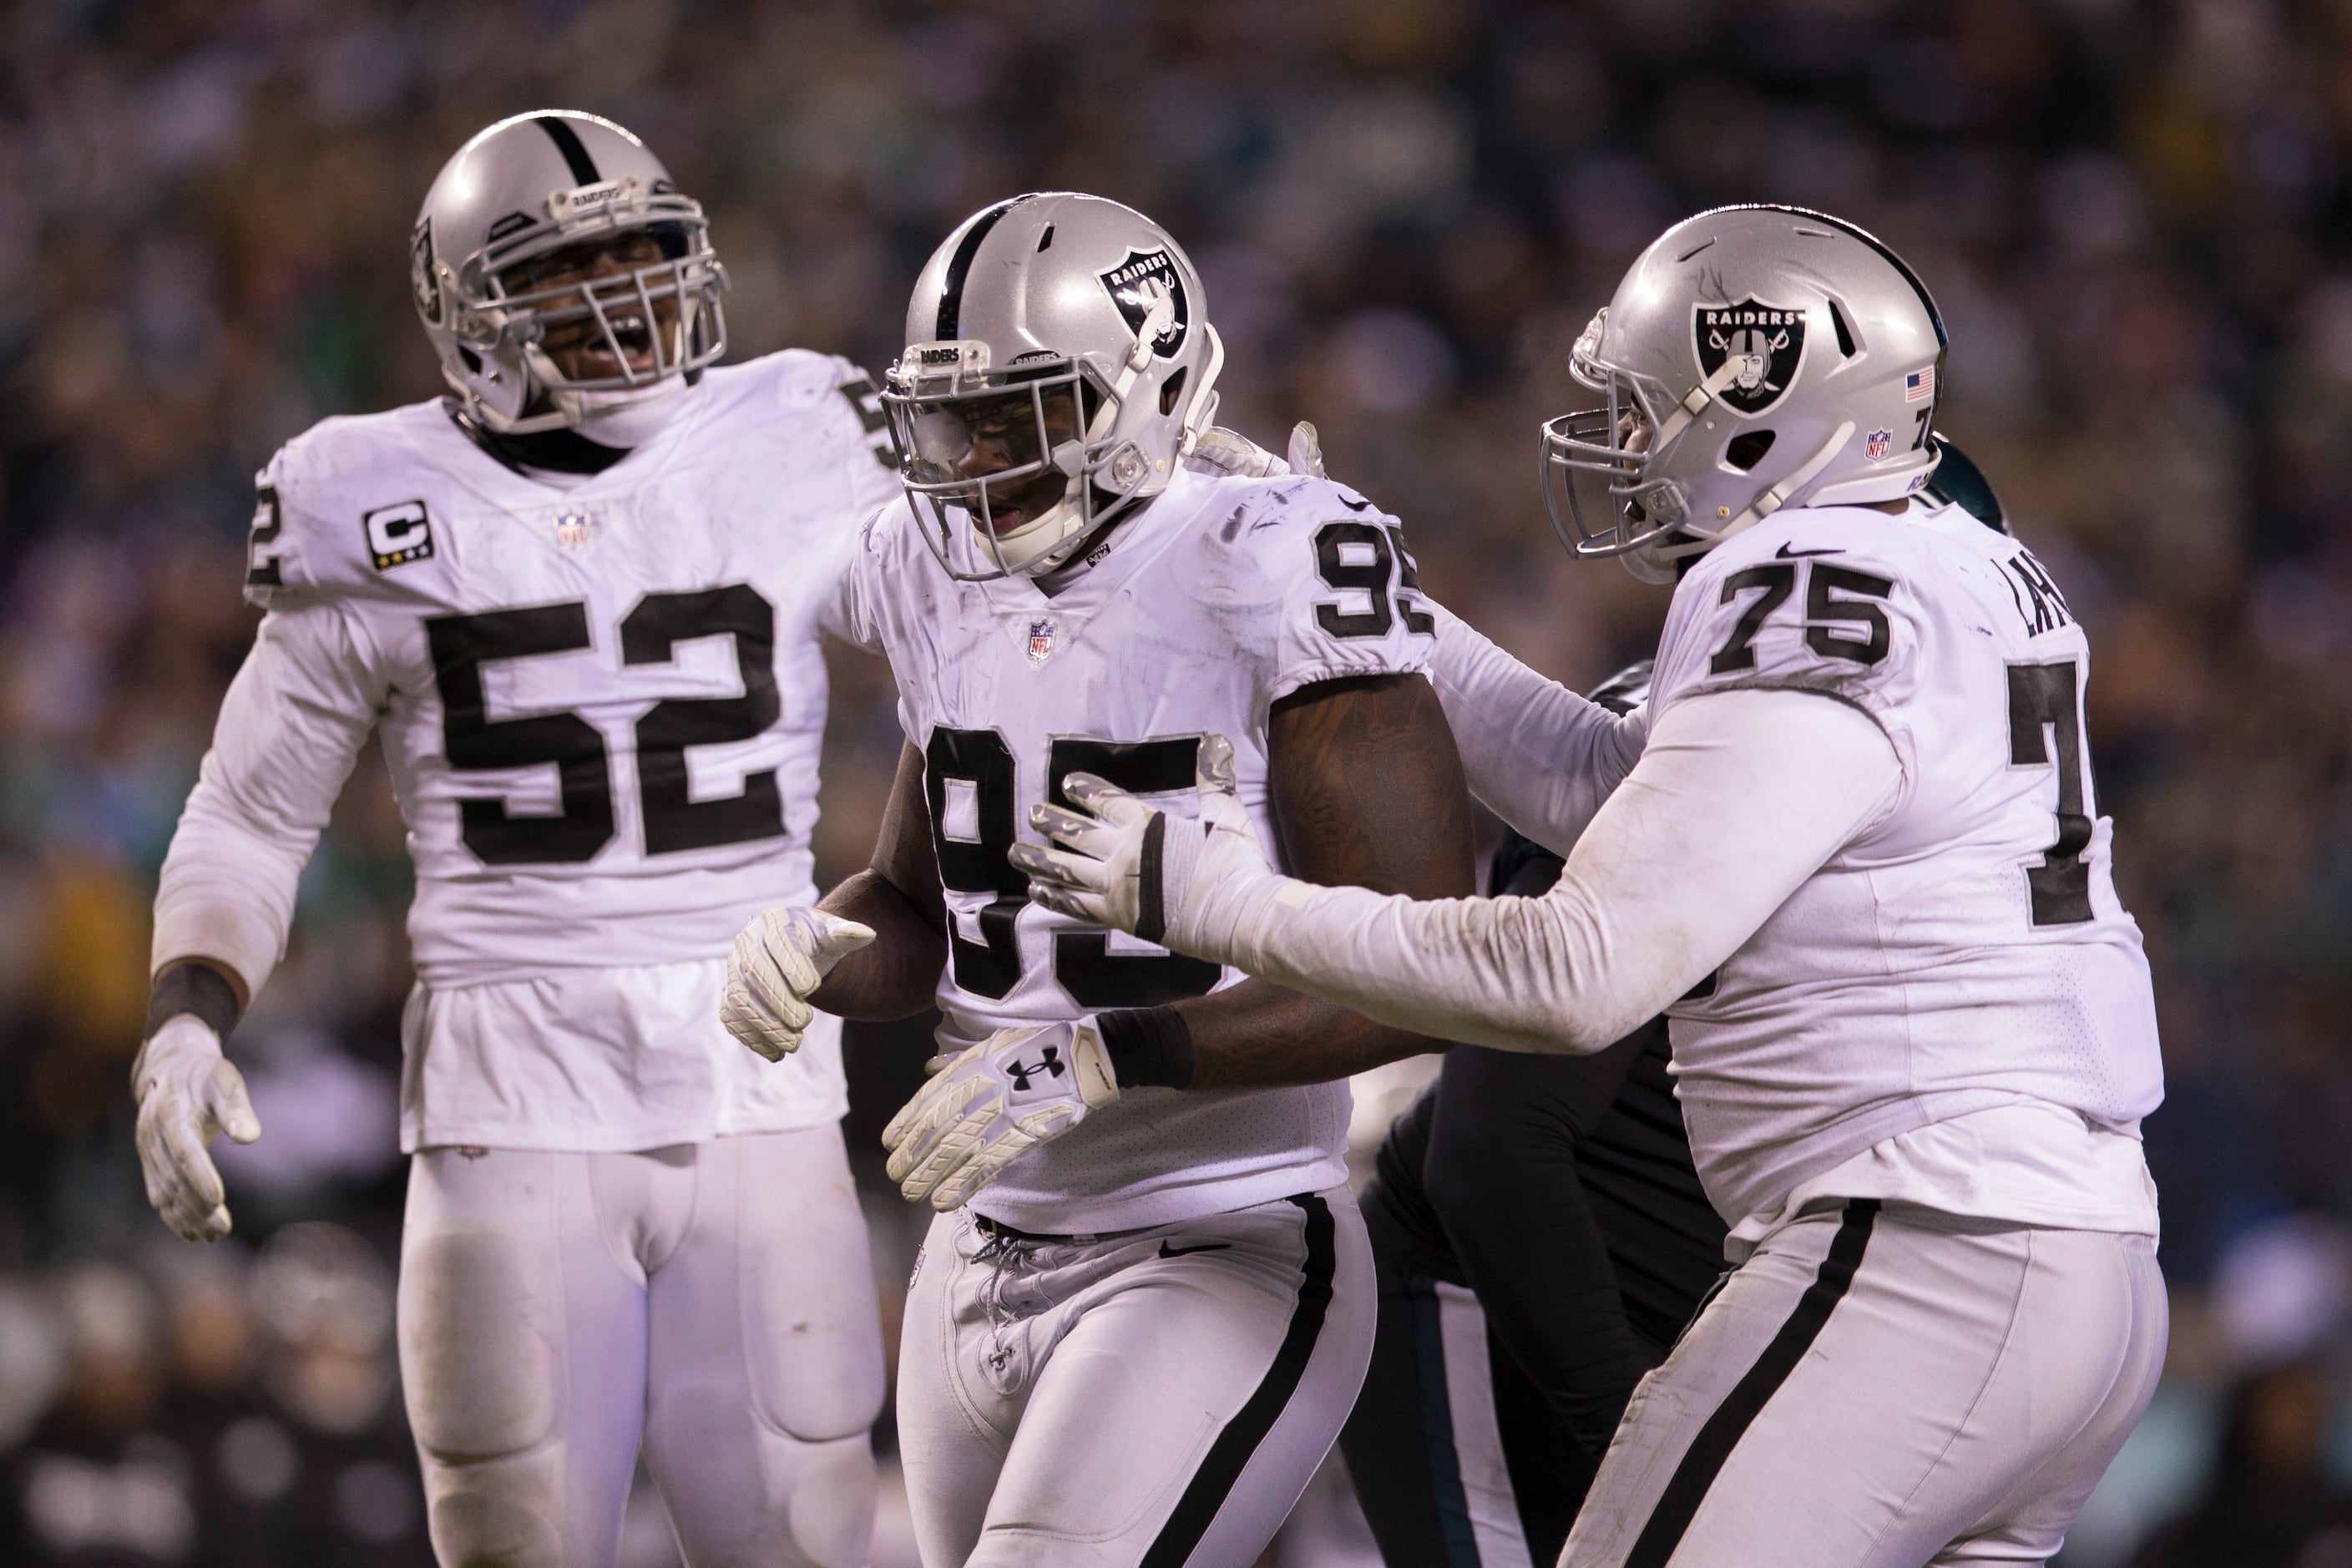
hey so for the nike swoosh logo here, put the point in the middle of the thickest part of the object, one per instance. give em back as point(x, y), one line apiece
point(1785, 554)
point(1166, 1251)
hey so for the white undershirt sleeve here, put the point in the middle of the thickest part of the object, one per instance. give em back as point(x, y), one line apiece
point(1739, 796)
point(289, 729)
point(1540, 756)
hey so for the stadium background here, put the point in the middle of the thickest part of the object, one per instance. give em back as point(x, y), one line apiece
point(2134, 216)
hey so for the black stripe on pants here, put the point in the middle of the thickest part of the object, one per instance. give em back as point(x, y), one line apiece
point(1213, 1481)
point(1679, 1503)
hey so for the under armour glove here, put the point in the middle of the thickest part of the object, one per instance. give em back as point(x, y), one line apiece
point(780, 960)
point(1218, 450)
point(188, 1095)
point(1121, 863)
point(995, 1102)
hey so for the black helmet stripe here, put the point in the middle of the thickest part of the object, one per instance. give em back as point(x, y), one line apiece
point(567, 141)
point(1926, 302)
point(951, 292)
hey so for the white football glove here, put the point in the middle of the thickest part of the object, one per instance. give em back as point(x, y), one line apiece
point(994, 1103)
point(1218, 450)
point(1141, 870)
point(188, 1094)
point(780, 960)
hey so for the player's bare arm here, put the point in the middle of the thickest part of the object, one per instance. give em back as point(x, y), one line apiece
point(1368, 793)
point(871, 949)
point(896, 898)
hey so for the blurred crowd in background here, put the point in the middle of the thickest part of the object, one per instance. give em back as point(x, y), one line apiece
point(2137, 220)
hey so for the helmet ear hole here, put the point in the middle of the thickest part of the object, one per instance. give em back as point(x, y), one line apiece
point(1844, 335)
point(1172, 390)
point(1747, 450)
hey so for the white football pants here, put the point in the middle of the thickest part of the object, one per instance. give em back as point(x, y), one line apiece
point(1884, 1387)
point(715, 1299)
point(1159, 1399)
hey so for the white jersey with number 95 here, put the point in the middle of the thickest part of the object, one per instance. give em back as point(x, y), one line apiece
point(1223, 596)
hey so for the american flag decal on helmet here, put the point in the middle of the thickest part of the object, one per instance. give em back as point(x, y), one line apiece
point(1919, 383)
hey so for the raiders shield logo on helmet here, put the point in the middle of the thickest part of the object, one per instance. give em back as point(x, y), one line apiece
point(420, 271)
point(1143, 281)
point(1770, 342)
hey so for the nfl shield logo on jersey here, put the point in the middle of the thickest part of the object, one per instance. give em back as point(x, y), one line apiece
point(1881, 442)
point(1041, 641)
point(574, 528)
point(1768, 343)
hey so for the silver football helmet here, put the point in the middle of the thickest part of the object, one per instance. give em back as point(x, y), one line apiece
point(1058, 362)
point(522, 189)
point(1754, 358)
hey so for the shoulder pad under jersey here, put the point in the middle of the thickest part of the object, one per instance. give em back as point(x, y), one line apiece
point(1343, 589)
point(824, 401)
point(1829, 599)
point(341, 509)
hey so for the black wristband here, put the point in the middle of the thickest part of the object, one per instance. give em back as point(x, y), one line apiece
point(194, 988)
point(1148, 1047)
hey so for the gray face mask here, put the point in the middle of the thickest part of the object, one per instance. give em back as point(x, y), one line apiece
point(629, 419)
point(526, 188)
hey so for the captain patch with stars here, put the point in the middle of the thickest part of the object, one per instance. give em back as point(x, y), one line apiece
point(1769, 341)
point(399, 534)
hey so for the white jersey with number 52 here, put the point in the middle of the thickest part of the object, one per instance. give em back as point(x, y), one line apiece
point(601, 704)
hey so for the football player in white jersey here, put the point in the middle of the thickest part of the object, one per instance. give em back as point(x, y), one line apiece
point(1859, 866)
point(578, 600)
point(1138, 1344)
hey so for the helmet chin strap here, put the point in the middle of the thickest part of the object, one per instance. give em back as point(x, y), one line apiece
point(1654, 561)
point(1779, 496)
point(1020, 548)
point(1705, 393)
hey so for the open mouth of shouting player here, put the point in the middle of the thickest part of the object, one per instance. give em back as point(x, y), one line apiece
point(606, 310)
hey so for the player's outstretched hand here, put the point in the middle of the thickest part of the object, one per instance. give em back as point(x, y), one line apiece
point(188, 1094)
point(993, 1104)
point(780, 960)
point(1119, 863)
point(1218, 450)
